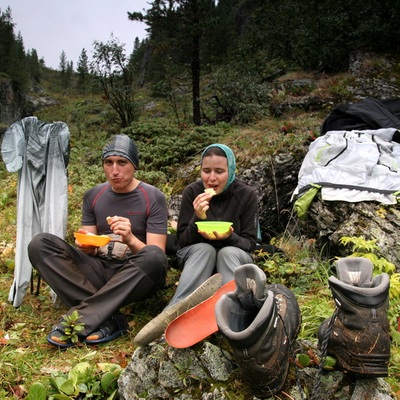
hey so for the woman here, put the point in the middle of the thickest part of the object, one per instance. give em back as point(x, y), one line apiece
point(201, 255)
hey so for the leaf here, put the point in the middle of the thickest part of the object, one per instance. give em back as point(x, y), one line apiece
point(113, 395)
point(82, 388)
point(37, 392)
point(303, 359)
point(60, 396)
point(106, 367)
point(68, 387)
point(107, 381)
point(78, 328)
point(329, 363)
point(10, 264)
point(79, 370)
point(57, 381)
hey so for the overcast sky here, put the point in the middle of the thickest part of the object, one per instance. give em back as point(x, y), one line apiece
point(53, 26)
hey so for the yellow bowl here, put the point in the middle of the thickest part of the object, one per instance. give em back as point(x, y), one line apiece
point(213, 226)
point(92, 240)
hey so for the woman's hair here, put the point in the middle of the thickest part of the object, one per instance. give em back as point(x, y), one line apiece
point(214, 151)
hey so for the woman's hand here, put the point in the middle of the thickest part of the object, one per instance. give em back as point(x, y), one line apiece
point(216, 235)
point(201, 204)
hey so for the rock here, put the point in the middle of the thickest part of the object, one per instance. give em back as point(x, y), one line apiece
point(207, 372)
point(329, 221)
point(274, 180)
point(371, 389)
point(12, 104)
point(41, 102)
point(159, 371)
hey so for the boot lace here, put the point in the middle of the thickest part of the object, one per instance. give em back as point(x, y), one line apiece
point(293, 354)
point(323, 353)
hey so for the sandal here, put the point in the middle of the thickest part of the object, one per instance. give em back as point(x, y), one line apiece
point(112, 329)
point(57, 338)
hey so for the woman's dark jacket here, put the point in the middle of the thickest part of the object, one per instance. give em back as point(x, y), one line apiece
point(237, 204)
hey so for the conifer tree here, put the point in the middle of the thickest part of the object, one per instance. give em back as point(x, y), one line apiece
point(34, 66)
point(83, 70)
point(63, 62)
point(178, 29)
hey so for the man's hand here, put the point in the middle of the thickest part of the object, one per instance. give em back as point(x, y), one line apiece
point(84, 248)
point(121, 226)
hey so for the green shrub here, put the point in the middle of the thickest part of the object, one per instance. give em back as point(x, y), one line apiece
point(164, 147)
point(84, 381)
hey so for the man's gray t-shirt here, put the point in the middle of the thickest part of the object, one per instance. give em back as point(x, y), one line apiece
point(145, 206)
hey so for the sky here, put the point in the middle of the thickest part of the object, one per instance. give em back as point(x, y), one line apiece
point(53, 26)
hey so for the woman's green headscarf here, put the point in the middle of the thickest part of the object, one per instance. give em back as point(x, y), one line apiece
point(231, 161)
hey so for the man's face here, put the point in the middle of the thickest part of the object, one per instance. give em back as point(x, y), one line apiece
point(119, 173)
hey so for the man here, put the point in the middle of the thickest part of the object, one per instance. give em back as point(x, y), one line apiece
point(97, 281)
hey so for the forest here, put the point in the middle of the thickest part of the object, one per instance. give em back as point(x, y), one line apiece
point(218, 54)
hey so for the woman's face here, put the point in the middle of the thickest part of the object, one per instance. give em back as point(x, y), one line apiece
point(214, 172)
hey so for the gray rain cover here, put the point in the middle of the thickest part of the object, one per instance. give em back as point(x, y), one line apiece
point(39, 152)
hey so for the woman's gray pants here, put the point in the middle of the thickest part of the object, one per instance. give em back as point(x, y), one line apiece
point(201, 260)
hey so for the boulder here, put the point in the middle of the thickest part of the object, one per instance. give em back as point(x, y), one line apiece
point(208, 372)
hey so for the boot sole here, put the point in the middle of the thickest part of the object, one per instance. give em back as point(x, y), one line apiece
point(156, 327)
point(364, 365)
point(198, 323)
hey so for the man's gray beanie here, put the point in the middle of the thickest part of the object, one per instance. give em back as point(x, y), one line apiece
point(123, 146)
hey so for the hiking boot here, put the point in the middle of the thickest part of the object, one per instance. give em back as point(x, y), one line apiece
point(358, 335)
point(156, 327)
point(261, 324)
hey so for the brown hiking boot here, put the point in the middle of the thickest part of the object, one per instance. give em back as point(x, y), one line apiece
point(358, 336)
point(261, 324)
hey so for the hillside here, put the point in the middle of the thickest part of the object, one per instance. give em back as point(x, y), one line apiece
point(297, 105)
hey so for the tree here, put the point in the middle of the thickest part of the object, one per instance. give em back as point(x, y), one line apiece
point(13, 60)
point(7, 39)
point(177, 28)
point(63, 62)
point(34, 66)
point(111, 69)
point(19, 65)
point(66, 70)
point(68, 73)
point(83, 70)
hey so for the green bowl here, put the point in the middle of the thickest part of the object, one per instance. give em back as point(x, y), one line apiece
point(213, 226)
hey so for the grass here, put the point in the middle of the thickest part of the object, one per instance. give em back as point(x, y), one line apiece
point(25, 355)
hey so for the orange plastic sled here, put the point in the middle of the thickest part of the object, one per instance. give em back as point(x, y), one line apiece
point(196, 324)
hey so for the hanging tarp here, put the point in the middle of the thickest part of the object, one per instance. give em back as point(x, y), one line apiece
point(39, 152)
